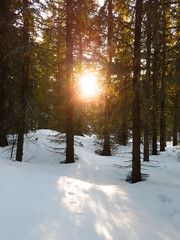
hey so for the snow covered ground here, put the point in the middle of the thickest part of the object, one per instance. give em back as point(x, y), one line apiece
point(88, 200)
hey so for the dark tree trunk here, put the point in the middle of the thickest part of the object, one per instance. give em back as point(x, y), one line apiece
point(3, 76)
point(175, 141)
point(24, 84)
point(154, 128)
point(58, 91)
point(146, 145)
point(3, 137)
point(107, 143)
point(175, 123)
point(163, 91)
point(136, 161)
point(154, 80)
point(147, 85)
point(162, 118)
point(123, 133)
point(58, 53)
point(69, 97)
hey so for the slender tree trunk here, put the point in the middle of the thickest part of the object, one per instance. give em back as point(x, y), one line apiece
point(24, 84)
point(175, 142)
point(123, 133)
point(3, 137)
point(147, 85)
point(162, 118)
point(58, 53)
point(163, 92)
point(154, 80)
point(175, 123)
point(81, 39)
point(136, 161)
point(58, 99)
point(69, 97)
point(154, 121)
point(107, 143)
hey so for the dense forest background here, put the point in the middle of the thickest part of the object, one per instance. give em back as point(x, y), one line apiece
point(132, 46)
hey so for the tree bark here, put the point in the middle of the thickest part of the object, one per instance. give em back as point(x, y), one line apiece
point(107, 143)
point(147, 85)
point(175, 123)
point(69, 97)
point(163, 91)
point(24, 84)
point(3, 137)
point(136, 161)
point(162, 117)
point(123, 133)
point(154, 80)
point(3, 75)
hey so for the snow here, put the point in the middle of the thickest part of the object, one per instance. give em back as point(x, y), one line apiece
point(90, 199)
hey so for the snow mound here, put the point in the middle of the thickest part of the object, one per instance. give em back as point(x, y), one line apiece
point(90, 199)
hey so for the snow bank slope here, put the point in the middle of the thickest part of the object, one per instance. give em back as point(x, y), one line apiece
point(43, 200)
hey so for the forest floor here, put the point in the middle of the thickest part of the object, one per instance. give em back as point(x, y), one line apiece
point(90, 199)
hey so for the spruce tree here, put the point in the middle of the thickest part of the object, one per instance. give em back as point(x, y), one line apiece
point(136, 160)
point(24, 84)
point(147, 83)
point(7, 19)
point(69, 84)
point(107, 112)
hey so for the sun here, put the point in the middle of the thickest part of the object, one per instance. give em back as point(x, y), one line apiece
point(89, 86)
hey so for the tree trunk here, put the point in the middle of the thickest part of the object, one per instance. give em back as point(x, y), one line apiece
point(3, 76)
point(146, 144)
point(175, 123)
point(175, 141)
point(3, 137)
point(154, 80)
point(69, 97)
point(162, 118)
point(107, 143)
point(163, 91)
point(136, 161)
point(147, 85)
point(58, 90)
point(123, 133)
point(24, 84)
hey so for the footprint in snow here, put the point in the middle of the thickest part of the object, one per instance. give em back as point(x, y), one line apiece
point(85, 191)
point(71, 193)
point(164, 199)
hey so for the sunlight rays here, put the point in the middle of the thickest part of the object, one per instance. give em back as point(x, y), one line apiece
point(85, 210)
